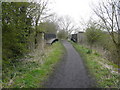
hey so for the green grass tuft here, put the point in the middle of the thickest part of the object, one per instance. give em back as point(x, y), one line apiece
point(32, 74)
point(103, 76)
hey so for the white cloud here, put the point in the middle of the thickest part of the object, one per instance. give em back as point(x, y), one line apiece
point(74, 8)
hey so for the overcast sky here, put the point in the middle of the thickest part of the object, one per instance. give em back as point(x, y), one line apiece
point(76, 9)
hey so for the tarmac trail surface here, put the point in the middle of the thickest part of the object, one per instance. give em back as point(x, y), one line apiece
point(71, 72)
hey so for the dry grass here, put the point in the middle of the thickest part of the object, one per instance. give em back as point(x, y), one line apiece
point(33, 69)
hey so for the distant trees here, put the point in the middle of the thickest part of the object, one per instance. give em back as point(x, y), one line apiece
point(66, 23)
point(50, 27)
point(66, 27)
point(93, 35)
point(62, 34)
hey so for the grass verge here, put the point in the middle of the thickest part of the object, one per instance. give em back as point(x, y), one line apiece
point(104, 77)
point(31, 74)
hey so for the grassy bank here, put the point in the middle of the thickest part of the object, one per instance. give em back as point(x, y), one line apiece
point(33, 72)
point(104, 71)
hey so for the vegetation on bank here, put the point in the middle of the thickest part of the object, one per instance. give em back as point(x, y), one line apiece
point(22, 27)
point(33, 71)
point(104, 71)
point(97, 38)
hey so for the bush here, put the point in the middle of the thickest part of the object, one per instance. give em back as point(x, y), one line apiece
point(97, 38)
point(93, 35)
point(15, 30)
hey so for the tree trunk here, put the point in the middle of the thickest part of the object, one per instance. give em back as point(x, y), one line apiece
point(35, 40)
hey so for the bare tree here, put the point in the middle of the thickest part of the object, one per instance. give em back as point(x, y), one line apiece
point(66, 23)
point(38, 11)
point(108, 12)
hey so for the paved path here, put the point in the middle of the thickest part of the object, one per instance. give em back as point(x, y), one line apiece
point(71, 72)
